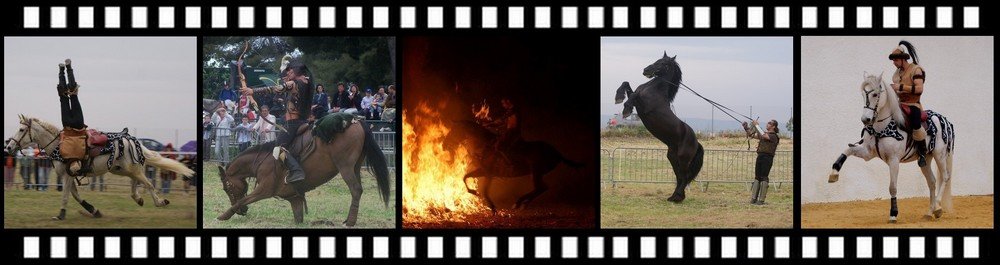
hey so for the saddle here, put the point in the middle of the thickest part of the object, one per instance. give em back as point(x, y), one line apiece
point(906, 111)
point(302, 145)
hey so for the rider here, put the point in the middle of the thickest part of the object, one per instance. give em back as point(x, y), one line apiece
point(908, 82)
point(298, 88)
point(73, 146)
point(765, 158)
point(509, 129)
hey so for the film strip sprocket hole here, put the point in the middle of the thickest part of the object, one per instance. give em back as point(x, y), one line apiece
point(498, 247)
point(644, 17)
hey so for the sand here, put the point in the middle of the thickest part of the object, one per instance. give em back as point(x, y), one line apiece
point(968, 212)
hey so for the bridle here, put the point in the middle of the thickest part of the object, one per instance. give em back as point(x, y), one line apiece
point(31, 139)
point(868, 103)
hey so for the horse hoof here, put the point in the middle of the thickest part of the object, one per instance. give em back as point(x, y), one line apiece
point(97, 214)
point(937, 213)
point(834, 177)
point(928, 217)
point(892, 219)
point(141, 202)
point(166, 202)
point(676, 199)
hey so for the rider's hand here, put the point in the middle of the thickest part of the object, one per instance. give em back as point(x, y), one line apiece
point(246, 91)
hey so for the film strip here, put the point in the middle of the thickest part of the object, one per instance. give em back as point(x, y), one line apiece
point(591, 19)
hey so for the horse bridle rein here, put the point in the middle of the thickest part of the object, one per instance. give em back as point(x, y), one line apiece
point(868, 105)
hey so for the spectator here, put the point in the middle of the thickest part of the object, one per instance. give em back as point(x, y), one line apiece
point(243, 134)
point(151, 176)
point(340, 99)
point(97, 182)
point(320, 103)
point(26, 167)
point(8, 169)
point(166, 175)
point(366, 104)
point(389, 113)
point(378, 103)
point(265, 126)
point(44, 167)
point(355, 99)
point(208, 133)
point(244, 108)
point(227, 92)
point(188, 160)
point(223, 123)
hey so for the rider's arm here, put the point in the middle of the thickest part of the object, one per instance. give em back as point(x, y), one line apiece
point(918, 82)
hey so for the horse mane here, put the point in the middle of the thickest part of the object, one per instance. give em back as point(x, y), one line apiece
point(45, 125)
point(674, 80)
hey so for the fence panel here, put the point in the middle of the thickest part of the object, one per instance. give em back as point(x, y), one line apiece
point(650, 165)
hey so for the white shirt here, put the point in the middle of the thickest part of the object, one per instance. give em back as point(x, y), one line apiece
point(265, 129)
point(223, 124)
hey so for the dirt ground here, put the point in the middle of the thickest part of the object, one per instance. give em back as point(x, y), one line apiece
point(969, 212)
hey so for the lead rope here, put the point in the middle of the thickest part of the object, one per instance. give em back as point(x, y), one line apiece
point(723, 108)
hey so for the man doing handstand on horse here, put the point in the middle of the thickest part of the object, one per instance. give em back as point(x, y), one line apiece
point(73, 144)
point(908, 82)
point(298, 90)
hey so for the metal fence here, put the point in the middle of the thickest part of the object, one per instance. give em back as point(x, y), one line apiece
point(235, 140)
point(650, 165)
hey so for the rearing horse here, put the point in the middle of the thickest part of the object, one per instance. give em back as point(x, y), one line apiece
point(652, 100)
point(885, 138)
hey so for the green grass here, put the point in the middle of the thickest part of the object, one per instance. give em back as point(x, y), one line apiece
point(632, 205)
point(329, 202)
point(35, 209)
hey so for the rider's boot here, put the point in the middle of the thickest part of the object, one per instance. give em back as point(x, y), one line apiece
point(295, 175)
point(918, 140)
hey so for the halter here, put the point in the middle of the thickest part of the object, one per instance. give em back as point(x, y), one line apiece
point(30, 138)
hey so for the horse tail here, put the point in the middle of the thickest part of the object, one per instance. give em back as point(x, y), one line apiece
point(158, 161)
point(376, 163)
point(696, 164)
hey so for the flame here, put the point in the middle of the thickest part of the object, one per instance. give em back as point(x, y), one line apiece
point(433, 188)
point(483, 113)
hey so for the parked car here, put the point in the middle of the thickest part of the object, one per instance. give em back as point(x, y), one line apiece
point(152, 145)
point(618, 121)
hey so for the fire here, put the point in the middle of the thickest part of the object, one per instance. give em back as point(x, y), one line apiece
point(483, 113)
point(433, 189)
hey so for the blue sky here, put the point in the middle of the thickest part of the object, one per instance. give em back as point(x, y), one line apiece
point(736, 72)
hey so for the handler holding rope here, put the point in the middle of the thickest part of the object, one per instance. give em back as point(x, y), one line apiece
point(765, 158)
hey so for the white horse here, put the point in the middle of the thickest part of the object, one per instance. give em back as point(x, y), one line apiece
point(125, 160)
point(885, 138)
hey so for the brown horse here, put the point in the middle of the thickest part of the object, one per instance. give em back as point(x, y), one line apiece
point(344, 155)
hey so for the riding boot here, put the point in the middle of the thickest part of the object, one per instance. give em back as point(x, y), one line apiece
point(295, 174)
point(763, 193)
point(62, 88)
point(918, 139)
point(753, 191)
point(73, 87)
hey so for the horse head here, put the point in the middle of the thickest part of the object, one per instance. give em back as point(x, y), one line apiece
point(877, 97)
point(31, 131)
point(235, 187)
point(664, 67)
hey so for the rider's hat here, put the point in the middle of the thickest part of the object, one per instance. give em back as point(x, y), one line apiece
point(898, 53)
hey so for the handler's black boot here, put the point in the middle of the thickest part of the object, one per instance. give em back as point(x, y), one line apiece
point(922, 151)
point(62, 88)
point(753, 191)
point(763, 193)
point(295, 176)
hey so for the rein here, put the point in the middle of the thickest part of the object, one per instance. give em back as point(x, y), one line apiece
point(723, 108)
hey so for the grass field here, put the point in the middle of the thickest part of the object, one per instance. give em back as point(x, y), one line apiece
point(329, 202)
point(35, 209)
point(722, 205)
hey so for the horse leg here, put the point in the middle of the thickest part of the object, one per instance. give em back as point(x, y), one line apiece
point(484, 185)
point(853, 149)
point(135, 193)
point(540, 187)
point(86, 205)
point(354, 183)
point(136, 175)
point(65, 199)
point(893, 174)
point(944, 176)
point(680, 171)
point(298, 204)
point(258, 194)
point(929, 176)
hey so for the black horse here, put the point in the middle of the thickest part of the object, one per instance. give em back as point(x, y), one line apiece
point(652, 100)
point(534, 158)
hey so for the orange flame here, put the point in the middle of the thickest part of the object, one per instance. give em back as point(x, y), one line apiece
point(483, 113)
point(433, 188)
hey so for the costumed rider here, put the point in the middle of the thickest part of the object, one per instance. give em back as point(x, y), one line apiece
point(73, 138)
point(908, 82)
point(298, 92)
point(766, 148)
point(509, 128)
